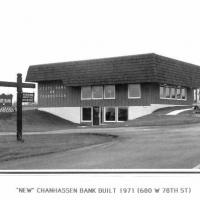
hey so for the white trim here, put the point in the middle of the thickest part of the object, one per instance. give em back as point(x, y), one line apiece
point(134, 97)
point(91, 114)
point(105, 113)
point(139, 97)
point(109, 98)
point(173, 99)
point(96, 98)
point(86, 98)
point(92, 91)
point(104, 92)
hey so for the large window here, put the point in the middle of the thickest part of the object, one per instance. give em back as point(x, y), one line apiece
point(122, 114)
point(109, 92)
point(97, 92)
point(173, 92)
point(134, 91)
point(86, 92)
point(109, 114)
point(86, 114)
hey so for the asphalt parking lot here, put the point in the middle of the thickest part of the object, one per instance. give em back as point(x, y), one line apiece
point(166, 147)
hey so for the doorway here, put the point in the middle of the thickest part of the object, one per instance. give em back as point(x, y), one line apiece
point(96, 115)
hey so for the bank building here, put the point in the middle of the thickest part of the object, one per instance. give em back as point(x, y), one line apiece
point(114, 90)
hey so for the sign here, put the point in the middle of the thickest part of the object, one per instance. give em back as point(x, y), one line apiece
point(19, 85)
point(28, 97)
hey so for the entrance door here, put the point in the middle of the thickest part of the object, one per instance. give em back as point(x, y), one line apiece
point(96, 115)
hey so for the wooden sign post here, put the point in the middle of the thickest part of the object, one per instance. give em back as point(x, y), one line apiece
point(19, 107)
point(19, 85)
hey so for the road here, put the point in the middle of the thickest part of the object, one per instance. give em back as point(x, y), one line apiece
point(170, 147)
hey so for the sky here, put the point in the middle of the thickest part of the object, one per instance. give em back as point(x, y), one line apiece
point(47, 31)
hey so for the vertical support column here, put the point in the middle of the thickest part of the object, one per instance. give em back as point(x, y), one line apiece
point(19, 107)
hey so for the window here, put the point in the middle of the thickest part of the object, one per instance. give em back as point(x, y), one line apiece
point(134, 91)
point(97, 92)
point(198, 95)
point(109, 92)
point(178, 93)
point(86, 114)
point(167, 92)
point(110, 114)
point(173, 93)
point(86, 92)
point(183, 93)
point(195, 95)
point(122, 114)
point(162, 92)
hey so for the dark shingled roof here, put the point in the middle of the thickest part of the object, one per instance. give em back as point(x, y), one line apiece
point(118, 70)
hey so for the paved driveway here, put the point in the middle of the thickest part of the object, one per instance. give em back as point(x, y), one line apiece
point(136, 148)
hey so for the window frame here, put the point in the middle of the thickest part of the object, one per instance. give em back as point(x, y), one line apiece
point(178, 88)
point(175, 87)
point(168, 87)
point(105, 114)
point(139, 97)
point(82, 114)
point(185, 93)
point(82, 93)
point(104, 92)
point(163, 96)
point(195, 95)
point(118, 113)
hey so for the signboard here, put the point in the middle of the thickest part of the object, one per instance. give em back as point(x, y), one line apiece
point(28, 97)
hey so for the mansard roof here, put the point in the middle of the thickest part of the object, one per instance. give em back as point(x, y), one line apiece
point(146, 68)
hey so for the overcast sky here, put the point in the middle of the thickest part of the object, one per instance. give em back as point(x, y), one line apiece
point(46, 31)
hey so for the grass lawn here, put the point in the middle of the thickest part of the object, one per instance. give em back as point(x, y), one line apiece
point(159, 118)
point(164, 120)
point(34, 120)
point(37, 145)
